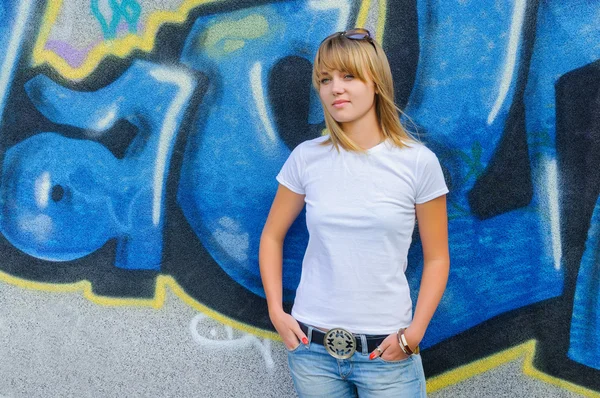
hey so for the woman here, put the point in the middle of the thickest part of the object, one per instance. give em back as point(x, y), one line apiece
point(351, 330)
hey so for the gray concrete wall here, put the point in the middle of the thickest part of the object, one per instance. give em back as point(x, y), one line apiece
point(139, 145)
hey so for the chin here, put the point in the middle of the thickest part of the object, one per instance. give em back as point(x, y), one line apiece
point(341, 119)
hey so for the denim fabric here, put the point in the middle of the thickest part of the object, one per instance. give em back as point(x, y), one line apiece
point(317, 374)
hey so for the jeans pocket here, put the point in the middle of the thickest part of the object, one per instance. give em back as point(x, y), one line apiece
point(407, 359)
point(293, 349)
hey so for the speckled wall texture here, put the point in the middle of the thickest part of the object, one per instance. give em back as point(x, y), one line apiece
point(139, 144)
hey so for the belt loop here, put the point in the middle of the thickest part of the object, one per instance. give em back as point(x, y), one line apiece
point(309, 334)
point(364, 344)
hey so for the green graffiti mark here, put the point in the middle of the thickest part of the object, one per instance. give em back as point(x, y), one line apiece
point(472, 161)
point(456, 210)
point(129, 10)
point(226, 37)
point(474, 168)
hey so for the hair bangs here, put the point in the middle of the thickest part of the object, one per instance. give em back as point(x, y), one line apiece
point(365, 60)
point(343, 55)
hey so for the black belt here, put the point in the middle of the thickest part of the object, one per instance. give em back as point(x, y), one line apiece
point(373, 341)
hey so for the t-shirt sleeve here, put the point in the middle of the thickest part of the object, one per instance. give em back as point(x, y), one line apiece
point(290, 174)
point(430, 178)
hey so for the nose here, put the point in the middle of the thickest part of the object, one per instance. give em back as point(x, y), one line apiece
point(337, 85)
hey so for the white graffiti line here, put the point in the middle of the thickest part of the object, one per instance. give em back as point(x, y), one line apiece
point(168, 130)
point(108, 120)
point(343, 7)
point(13, 47)
point(40, 226)
point(42, 190)
point(231, 238)
point(516, 28)
point(245, 341)
point(265, 349)
point(552, 185)
point(259, 99)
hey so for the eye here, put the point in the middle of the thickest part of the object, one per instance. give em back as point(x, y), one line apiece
point(325, 80)
point(348, 76)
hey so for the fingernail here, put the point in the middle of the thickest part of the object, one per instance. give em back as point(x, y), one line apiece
point(372, 356)
point(304, 340)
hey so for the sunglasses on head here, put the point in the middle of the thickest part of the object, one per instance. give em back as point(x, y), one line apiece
point(355, 34)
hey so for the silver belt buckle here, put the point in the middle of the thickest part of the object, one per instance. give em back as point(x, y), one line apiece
point(340, 343)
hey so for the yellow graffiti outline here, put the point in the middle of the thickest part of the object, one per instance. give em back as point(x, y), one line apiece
point(530, 370)
point(120, 47)
point(123, 46)
point(157, 302)
point(484, 365)
point(363, 13)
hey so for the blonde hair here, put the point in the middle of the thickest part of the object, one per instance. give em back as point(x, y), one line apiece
point(364, 59)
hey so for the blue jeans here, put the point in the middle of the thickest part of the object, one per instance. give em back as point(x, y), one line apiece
point(317, 374)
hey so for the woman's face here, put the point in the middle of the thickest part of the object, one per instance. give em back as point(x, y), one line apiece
point(347, 98)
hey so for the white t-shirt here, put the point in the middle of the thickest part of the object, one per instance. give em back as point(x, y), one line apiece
point(360, 214)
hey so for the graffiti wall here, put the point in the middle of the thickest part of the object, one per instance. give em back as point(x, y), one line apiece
point(139, 145)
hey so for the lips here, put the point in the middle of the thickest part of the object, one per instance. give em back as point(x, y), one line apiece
point(339, 103)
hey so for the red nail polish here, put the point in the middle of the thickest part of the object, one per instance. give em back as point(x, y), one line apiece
point(372, 356)
point(304, 340)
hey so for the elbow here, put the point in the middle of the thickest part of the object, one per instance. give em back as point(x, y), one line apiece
point(440, 266)
point(269, 244)
point(269, 238)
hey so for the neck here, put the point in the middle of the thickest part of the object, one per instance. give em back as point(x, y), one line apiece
point(365, 132)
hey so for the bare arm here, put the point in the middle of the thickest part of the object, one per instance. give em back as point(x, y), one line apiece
point(284, 210)
point(433, 230)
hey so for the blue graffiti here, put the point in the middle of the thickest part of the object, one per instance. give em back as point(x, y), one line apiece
point(13, 21)
point(55, 206)
point(235, 151)
point(63, 198)
point(461, 102)
point(560, 47)
point(562, 44)
point(585, 324)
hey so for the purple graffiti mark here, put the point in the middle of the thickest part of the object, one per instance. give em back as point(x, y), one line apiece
point(73, 56)
point(76, 57)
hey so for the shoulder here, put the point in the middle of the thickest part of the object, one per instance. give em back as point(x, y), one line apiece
point(414, 156)
point(418, 152)
point(315, 142)
point(315, 145)
point(410, 151)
